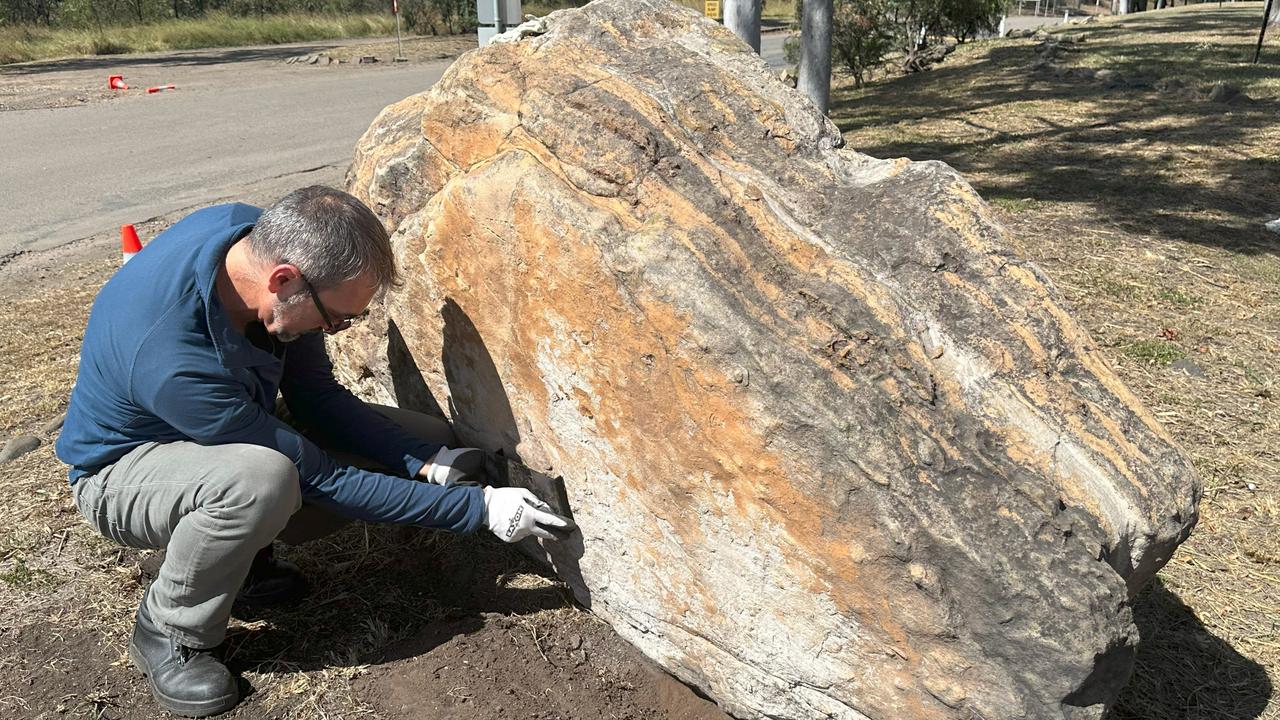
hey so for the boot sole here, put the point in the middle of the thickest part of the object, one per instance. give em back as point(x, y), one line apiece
point(185, 708)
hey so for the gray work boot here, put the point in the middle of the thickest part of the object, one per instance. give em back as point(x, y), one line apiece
point(183, 680)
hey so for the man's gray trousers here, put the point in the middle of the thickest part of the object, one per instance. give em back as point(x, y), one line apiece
point(213, 507)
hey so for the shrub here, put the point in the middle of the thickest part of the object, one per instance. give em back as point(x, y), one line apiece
point(860, 36)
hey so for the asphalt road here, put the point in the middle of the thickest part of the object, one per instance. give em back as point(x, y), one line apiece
point(240, 121)
point(68, 173)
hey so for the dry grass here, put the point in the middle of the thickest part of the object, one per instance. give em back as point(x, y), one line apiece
point(23, 43)
point(1146, 209)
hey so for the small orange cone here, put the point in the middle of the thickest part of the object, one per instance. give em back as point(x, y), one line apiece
point(116, 82)
point(129, 244)
point(159, 88)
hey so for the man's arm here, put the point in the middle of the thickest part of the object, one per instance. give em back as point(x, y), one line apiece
point(214, 410)
point(340, 419)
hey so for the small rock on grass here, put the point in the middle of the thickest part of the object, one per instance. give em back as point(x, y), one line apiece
point(1273, 226)
point(17, 447)
point(1189, 367)
point(54, 424)
point(1227, 94)
point(1110, 78)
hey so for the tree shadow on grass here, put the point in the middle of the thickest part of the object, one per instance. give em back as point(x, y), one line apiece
point(1148, 161)
point(1185, 671)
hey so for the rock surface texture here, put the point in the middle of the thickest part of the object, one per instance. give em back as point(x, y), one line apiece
point(834, 450)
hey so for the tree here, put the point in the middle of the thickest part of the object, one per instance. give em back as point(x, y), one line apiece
point(922, 29)
point(860, 37)
point(910, 21)
point(743, 18)
point(964, 19)
point(815, 52)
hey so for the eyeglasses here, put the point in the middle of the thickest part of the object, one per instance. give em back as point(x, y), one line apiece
point(330, 326)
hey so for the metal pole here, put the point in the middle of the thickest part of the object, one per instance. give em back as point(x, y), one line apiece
point(399, 45)
point(743, 18)
point(395, 9)
point(1266, 20)
point(815, 52)
point(497, 17)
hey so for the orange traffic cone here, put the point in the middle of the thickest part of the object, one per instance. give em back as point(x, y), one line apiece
point(116, 82)
point(160, 88)
point(129, 245)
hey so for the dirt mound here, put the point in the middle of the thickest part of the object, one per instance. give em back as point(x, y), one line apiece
point(508, 667)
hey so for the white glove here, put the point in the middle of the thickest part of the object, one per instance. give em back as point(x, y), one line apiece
point(515, 513)
point(450, 466)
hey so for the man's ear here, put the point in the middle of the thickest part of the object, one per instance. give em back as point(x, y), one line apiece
point(280, 276)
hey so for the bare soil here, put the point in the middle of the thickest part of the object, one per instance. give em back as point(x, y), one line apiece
point(1144, 208)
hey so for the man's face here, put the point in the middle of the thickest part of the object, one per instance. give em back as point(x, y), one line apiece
point(296, 311)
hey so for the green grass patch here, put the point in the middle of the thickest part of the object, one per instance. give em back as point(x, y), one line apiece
point(1118, 288)
point(27, 578)
point(26, 43)
point(1178, 298)
point(1154, 352)
point(1014, 205)
point(1262, 266)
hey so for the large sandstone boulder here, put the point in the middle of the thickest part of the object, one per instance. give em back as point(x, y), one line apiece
point(834, 450)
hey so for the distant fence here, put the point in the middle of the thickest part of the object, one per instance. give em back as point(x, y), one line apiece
point(1039, 8)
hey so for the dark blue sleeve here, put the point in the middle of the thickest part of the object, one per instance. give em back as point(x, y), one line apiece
point(214, 410)
point(340, 419)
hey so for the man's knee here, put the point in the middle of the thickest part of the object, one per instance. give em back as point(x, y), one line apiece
point(263, 484)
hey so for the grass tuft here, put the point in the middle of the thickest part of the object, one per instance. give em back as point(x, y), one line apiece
point(1154, 352)
point(27, 578)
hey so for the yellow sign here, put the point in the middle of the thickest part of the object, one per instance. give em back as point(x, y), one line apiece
point(711, 8)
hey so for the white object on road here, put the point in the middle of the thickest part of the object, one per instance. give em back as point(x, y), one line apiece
point(1273, 226)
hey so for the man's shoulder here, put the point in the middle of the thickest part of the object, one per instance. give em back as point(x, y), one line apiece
point(227, 215)
point(209, 223)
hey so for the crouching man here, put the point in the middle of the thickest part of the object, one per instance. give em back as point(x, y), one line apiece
point(173, 441)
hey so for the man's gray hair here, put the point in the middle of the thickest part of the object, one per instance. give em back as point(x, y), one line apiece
point(330, 236)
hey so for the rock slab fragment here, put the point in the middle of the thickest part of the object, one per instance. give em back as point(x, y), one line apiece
point(835, 451)
point(18, 446)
